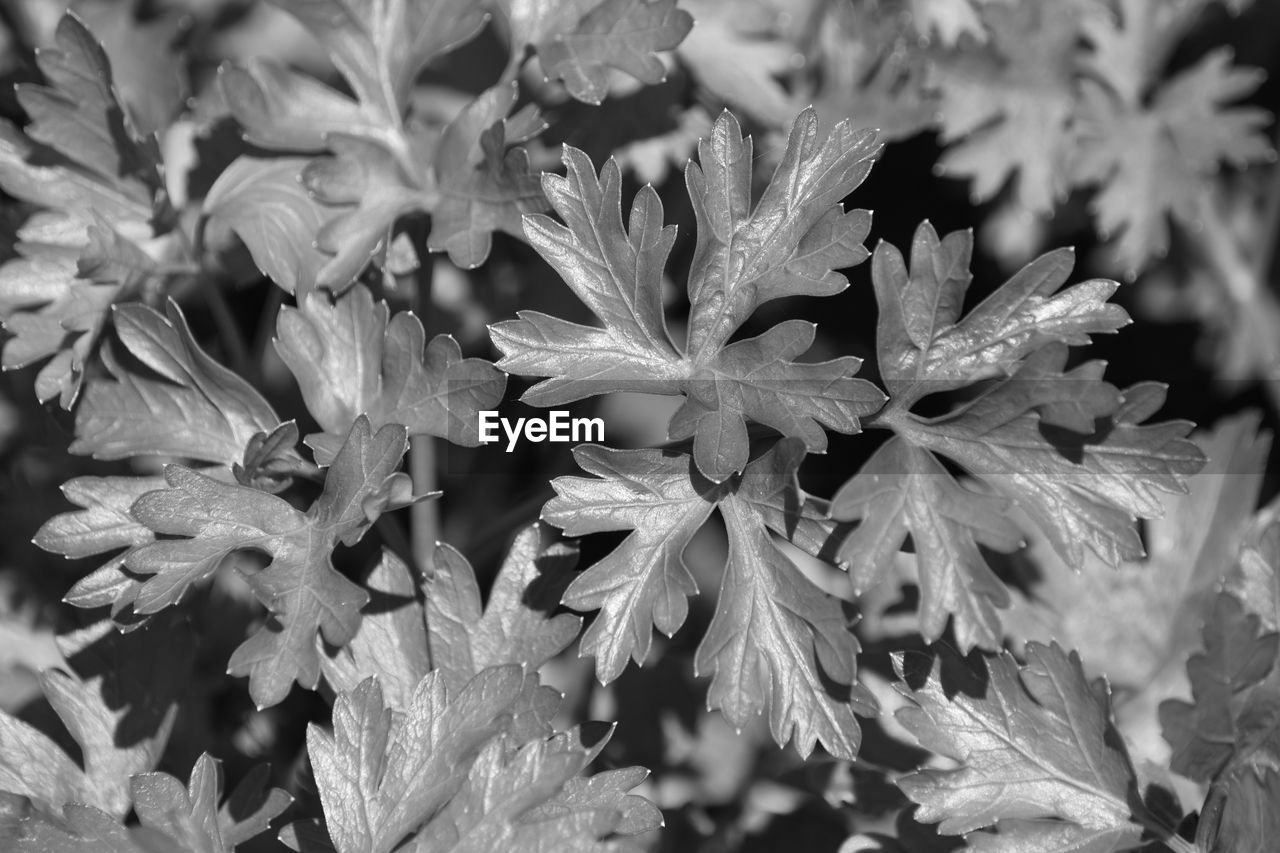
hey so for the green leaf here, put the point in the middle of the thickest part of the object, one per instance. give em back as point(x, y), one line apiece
point(265, 203)
point(621, 34)
point(789, 244)
point(117, 697)
point(1038, 759)
point(300, 587)
point(777, 643)
point(351, 358)
point(193, 407)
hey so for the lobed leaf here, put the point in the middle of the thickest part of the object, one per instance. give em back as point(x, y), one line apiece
point(118, 697)
point(789, 244)
point(266, 205)
point(191, 407)
point(1039, 764)
point(99, 186)
point(302, 591)
point(614, 34)
point(351, 358)
point(1068, 449)
point(777, 643)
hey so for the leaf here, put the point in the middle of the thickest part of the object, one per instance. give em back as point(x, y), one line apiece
point(117, 696)
point(102, 523)
point(903, 491)
point(776, 643)
point(1039, 762)
point(1158, 160)
point(172, 817)
point(515, 626)
point(1255, 580)
point(99, 186)
point(1006, 105)
point(867, 75)
point(385, 166)
point(789, 244)
point(400, 640)
point(380, 776)
point(381, 48)
point(950, 20)
point(148, 71)
point(484, 185)
point(621, 34)
point(265, 203)
point(378, 48)
point(302, 591)
point(77, 113)
point(535, 799)
point(391, 642)
point(1138, 622)
point(366, 189)
point(193, 408)
point(351, 358)
point(740, 68)
point(1238, 814)
point(1065, 447)
point(1237, 657)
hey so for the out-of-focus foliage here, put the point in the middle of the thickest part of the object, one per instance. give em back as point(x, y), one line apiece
point(264, 262)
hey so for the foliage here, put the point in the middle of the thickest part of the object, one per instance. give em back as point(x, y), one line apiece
point(268, 263)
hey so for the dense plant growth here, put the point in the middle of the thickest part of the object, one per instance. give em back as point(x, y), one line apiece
point(265, 265)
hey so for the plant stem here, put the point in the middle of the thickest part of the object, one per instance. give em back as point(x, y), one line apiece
point(228, 331)
point(424, 516)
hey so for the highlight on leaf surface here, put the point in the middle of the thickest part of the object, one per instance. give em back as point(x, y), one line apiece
point(380, 157)
point(777, 644)
point(98, 237)
point(1039, 764)
point(352, 357)
point(1069, 449)
point(448, 774)
point(117, 695)
point(439, 624)
point(300, 588)
point(171, 816)
point(789, 244)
